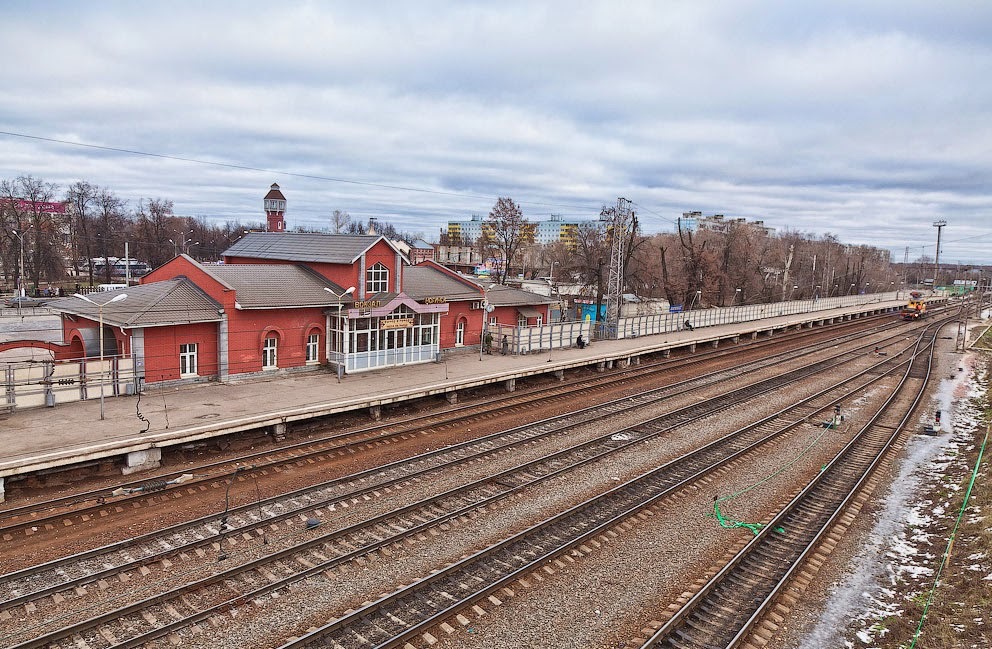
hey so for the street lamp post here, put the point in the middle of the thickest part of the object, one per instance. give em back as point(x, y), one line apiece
point(486, 310)
point(340, 336)
point(99, 306)
point(181, 243)
point(698, 294)
point(20, 274)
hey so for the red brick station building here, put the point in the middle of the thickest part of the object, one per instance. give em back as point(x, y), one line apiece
point(283, 301)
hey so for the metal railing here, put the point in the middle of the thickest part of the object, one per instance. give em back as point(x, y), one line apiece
point(668, 322)
point(30, 384)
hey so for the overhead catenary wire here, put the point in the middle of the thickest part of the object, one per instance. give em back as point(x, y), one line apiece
point(291, 174)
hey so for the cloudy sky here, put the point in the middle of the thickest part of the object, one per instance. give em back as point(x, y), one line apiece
point(866, 119)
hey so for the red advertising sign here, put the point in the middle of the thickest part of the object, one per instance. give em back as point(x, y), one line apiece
point(41, 206)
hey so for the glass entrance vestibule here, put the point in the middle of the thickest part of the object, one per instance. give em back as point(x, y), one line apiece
point(401, 332)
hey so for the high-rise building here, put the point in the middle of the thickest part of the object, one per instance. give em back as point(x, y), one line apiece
point(693, 221)
point(552, 230)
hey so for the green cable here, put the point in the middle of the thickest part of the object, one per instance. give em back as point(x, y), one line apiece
point(756, 527)
point(950, 540)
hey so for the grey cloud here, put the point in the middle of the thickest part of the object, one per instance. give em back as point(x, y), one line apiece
point(865, 119)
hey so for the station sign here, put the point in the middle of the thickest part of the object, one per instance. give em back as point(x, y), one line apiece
point(395, 323)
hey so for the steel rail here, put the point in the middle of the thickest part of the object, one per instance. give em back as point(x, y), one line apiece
point(292, 453)
point(737, 394)
point(767, 563)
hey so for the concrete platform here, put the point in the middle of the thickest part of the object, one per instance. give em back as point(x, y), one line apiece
point(48, 439)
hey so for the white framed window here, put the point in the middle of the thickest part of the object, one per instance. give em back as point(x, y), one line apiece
point(187, 360)
point(460, 334)
point(377, 279)
point(540, 320)
point(313, 348)
point(270, 358)
point(426, 334)
point(521, 320)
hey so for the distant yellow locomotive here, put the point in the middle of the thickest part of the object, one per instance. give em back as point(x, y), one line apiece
point(917, 307)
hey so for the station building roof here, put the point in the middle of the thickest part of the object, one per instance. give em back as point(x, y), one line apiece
point(426, 280)
point(305, 246)
point(277, 286)
point(175, 301)
point(500, 295)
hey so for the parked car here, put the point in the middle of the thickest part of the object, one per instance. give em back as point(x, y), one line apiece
point(25, 302)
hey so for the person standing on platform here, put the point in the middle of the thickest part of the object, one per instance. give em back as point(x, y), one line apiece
point(505, 346)
point(489, 343)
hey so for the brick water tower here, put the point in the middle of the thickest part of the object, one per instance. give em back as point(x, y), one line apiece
point(275, 208)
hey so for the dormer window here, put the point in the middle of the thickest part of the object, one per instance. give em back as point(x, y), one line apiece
point(377, 279)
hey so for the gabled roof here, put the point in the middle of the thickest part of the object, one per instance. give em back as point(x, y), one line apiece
point(170, 302)
point(276, 286)
point(305, 246)
point(500, 295)
point(425, 280)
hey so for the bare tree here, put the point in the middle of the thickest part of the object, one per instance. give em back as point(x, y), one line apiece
point(111, 225)
point(592, 253)
point(154, 228)
point(31, 210)
point(82, 196)
point(339, 221)
point(505, 231)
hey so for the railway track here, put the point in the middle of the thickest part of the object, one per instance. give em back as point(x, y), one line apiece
point(104, 563)
point(726, 611)
point(152, 611)
point(403, 615)
point(78, 508)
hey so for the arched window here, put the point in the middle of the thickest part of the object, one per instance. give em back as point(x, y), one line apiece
point(460, 334)
point(377, 279)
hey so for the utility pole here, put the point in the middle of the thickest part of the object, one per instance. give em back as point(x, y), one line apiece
point(936, 264)
point(622, 217)
point(905, 266)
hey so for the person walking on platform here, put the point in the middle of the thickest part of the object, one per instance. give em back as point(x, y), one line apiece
point(504, 346)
